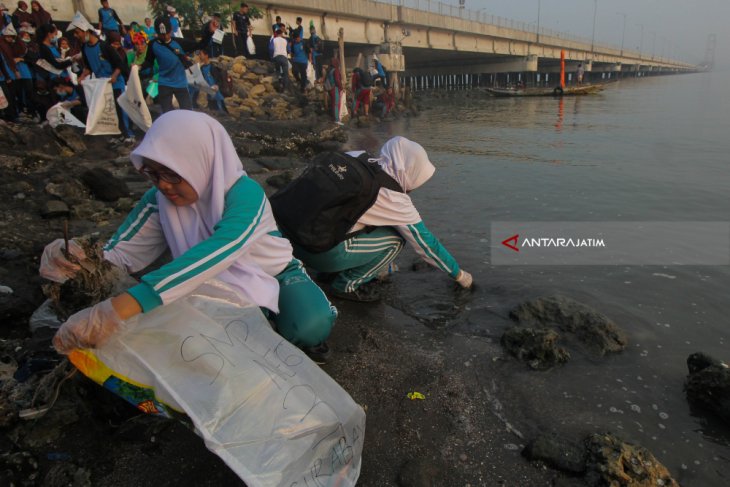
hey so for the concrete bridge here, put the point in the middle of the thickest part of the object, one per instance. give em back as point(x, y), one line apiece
point(422, 37)
point(427, 38)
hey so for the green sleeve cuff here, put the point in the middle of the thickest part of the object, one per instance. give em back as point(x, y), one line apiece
point(147, 298)
point(455, 272)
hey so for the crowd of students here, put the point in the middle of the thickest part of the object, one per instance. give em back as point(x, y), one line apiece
point(41, 66)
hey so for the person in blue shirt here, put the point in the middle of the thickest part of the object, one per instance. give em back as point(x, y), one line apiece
point(149, 29)
point(49, 55)
point(26, 90)
point(174, 22)
point(315, 52)
point(109, 21)
point(212, 75)
point(172, 62)
point(299, 61)
point(101, 59)
point(68, 95)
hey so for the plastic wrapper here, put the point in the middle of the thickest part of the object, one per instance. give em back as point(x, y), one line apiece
point(258, 402)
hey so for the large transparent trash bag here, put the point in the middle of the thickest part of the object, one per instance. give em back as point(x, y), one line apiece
point(258, 402)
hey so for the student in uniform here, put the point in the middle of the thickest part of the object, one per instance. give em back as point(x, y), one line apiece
point(172, 61)
point(217, 223)
point(109, 21)
point(393, 220)
point(102, 59)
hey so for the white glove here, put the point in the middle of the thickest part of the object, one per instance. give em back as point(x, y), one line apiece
point(54, 264)
point(464, 279)
point(89, 328)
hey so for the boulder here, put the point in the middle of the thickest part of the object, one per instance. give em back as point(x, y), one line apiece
point(256, 90)
point(239, 68)
point(591, 328)
point(610, 462)
point(708, 385)
point(537, 347)
point(104, 185)
point(69, 190)
point(71, 137)
point(261, 70)
point(54, 209)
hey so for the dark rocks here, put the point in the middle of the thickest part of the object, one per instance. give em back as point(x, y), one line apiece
point(557, 452)
point(54, 209)
point(65, 474)
point(601, 460)
point(104, 185)
point(261, 69)
point(612, 462)
point(537, 347)
point(708, 385)
point(71, 137)
point(278, 163)
point(280, 180)
point(591, 328)
point(69, 190)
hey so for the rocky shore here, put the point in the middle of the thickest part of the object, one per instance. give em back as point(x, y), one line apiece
point(470, 428)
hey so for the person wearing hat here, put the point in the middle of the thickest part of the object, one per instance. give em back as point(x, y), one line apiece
point(8, 72)
point(109, 21)
point(24, 57)
point(102, 59)
point(172, 61)
point(174, 22)
point(22, 16)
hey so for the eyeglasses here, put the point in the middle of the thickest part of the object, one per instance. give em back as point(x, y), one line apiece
point(157, 176)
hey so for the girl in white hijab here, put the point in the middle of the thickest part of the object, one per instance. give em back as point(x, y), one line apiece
point(216, 221)
point(359, 259)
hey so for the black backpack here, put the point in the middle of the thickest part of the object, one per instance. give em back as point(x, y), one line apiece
point(317, 209)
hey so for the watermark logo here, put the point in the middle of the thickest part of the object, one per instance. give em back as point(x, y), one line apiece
point(511, 243)
point(610, 243)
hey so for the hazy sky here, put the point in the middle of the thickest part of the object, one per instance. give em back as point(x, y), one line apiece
point(681, 26)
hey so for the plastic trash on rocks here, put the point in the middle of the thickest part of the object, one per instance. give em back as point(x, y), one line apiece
point(258, 402)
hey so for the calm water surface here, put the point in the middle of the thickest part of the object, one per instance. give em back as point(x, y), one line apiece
point(654, 149)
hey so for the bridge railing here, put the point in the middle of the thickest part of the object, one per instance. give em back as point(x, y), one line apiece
point(437, 7)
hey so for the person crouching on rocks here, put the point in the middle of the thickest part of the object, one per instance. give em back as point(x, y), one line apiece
point(217, 223)
point(379, 234)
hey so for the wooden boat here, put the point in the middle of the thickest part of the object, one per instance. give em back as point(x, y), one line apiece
point(556, 91)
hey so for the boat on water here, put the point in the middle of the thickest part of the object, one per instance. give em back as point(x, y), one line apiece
point(556, 91)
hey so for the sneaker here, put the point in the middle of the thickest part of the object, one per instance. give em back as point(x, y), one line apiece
point(129, 140)
point(367, 293)
point(319, 353)
point(339, 123)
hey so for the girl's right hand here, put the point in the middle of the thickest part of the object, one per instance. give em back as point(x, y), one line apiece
point(54, 264)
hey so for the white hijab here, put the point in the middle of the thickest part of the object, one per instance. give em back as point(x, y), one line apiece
point(406, 162)
point(198, 148)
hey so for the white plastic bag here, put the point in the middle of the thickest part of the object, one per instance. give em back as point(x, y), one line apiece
point(250, 45)
point(3, 100)
point(102, 118)
point(218, 36)
point(196, 79)
point(58, 114)
point(258, 402)
point(133, 102)
point(311, 78)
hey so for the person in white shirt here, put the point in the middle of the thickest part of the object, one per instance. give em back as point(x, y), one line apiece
point(280, 55)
